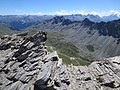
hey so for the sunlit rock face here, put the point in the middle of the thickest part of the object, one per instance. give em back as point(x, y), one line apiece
point(25, 64)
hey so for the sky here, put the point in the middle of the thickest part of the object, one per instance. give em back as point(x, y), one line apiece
point(59, 7)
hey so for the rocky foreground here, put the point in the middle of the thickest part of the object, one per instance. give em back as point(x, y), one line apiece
point(25, 64)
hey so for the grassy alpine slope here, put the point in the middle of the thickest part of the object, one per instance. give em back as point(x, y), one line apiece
point(66, 50)
point(5, 30)
point(55, 42)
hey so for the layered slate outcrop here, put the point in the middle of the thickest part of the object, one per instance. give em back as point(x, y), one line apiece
point(25, 64)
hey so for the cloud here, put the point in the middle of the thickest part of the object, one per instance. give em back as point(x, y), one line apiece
point(16, 10)
point(115, 12)
point(83, 12)
point(35, 13)
point(65, 12)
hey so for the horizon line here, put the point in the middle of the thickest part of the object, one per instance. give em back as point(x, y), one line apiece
point(65, 12)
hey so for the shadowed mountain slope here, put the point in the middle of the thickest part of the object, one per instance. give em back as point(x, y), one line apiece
point(102, 38)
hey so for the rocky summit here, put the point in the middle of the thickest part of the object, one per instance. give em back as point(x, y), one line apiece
point(25, 64)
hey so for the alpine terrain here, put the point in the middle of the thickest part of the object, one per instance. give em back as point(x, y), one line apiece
point(94, 40)
point(25, 64)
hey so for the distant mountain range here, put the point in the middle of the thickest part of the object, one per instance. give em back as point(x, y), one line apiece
point(19, 22)
point(91, 17)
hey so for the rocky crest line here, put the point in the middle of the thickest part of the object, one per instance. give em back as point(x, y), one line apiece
point(25, 64)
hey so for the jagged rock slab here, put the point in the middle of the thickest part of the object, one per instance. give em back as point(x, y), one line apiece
point(25, 64)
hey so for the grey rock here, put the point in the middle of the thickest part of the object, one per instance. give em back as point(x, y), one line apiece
point(23, 34)
point(16, 86)
point(29, 67)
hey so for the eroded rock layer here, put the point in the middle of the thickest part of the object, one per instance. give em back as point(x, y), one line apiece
point(25, 64)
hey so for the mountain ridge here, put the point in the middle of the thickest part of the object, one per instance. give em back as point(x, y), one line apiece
point(100, 36)
point(19, 22)
point(26, 64)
